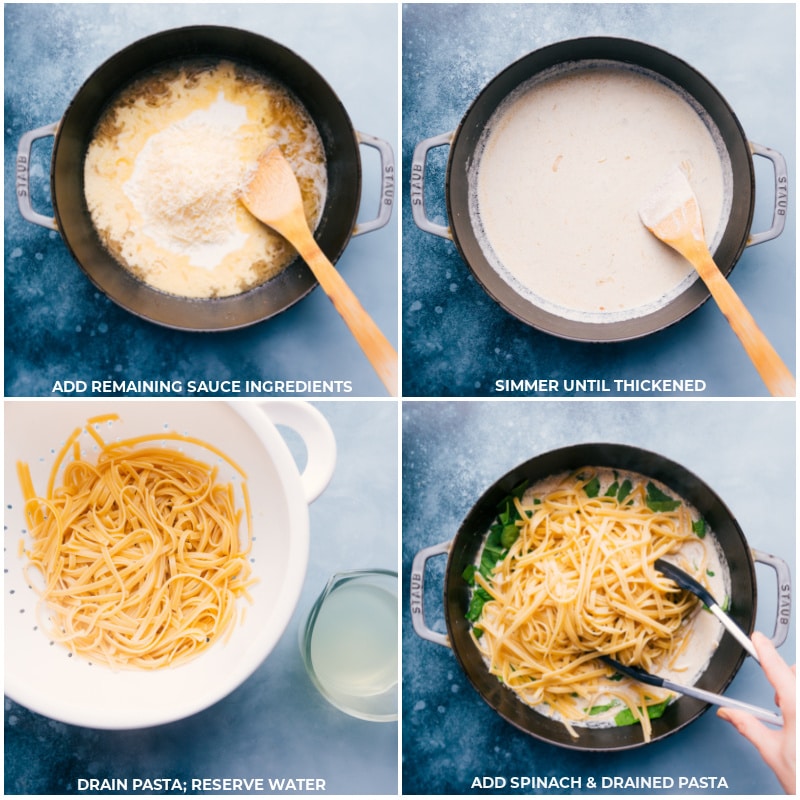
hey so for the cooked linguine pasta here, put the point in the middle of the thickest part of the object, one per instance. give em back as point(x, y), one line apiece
point(567, 574)
point(137, 551)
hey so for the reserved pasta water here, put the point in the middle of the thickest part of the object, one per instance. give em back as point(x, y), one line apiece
point(350, 643)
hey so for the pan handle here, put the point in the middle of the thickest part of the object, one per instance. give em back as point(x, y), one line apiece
point(418, 593)
point(23, 176)
point(418, 163)
point(783, 578)
point(781, 193)
point(387, 183)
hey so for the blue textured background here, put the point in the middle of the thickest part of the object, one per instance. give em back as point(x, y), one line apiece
point(453, 451)
point(275, 724)
point(457, 341)
point(58, 326)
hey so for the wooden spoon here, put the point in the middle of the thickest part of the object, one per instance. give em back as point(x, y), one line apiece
point(273, 196)
point(673, 215)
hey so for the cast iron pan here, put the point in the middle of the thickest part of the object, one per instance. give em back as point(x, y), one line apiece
point(269, 58)
point(465, 547)
point(468, 134)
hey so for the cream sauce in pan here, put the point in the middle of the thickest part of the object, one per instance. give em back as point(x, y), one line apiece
point(559, 176)
point(165, 167)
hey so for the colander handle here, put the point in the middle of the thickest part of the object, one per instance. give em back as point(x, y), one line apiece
point(783, 579)
point(418, 593)
point(387, 183)
point(418, 162)
point(781, 194)
point(23, 176)
point(317, 436)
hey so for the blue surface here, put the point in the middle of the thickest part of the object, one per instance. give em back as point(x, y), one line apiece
point(275, 724)
point(58, 326)
point(456, 340)
point(453, 451)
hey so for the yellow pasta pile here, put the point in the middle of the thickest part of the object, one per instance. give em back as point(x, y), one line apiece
point(138, 551)
point(579, 581)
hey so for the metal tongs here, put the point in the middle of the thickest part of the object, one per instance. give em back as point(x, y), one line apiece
point(693, 691)
point(686, 581)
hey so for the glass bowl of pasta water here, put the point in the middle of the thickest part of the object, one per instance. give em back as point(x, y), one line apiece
point(349, 643)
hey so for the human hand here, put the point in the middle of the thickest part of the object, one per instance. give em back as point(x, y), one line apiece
point(775, 745)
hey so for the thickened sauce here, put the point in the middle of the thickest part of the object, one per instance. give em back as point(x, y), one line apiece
point(558, 178)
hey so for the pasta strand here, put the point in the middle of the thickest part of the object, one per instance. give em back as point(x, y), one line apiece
point(139, 554)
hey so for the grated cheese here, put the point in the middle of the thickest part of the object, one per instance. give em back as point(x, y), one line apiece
point(185, 181)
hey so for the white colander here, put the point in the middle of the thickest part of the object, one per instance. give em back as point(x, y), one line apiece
point(45, 677)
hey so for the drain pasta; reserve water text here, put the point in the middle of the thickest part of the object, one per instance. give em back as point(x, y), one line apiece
point(200, 785)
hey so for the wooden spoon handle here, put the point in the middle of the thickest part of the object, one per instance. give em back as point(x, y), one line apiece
point(773, 371)
point(375, 345)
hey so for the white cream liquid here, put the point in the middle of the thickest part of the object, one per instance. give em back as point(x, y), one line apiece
point(166, 165)
point(560, 173)
point(354, 642)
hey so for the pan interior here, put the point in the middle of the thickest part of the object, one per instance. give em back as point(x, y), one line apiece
point(727, 657)
point(557, 177)
point(607, 546)
point(173, 150)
